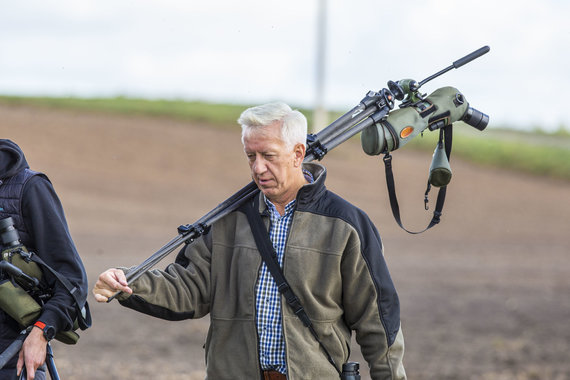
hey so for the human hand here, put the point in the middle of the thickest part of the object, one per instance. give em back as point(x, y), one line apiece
point(110, 282)
point(33, 353)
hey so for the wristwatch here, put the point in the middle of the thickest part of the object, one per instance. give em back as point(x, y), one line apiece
point(49, 331)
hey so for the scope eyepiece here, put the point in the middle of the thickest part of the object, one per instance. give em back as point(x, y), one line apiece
point(8, 234)
point(475, 118)
point(396, 90)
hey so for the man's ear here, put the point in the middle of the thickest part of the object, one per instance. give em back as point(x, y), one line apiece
point(299, 150)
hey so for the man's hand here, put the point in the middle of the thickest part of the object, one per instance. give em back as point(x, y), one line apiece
point(33, 353)
point(110, 282)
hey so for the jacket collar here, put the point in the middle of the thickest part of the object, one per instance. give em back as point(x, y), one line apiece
point(312, 191)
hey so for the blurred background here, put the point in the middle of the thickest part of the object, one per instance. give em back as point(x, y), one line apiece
point(130, 108)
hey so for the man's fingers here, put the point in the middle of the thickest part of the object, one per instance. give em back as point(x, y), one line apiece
point(33, 353)
point(99, 297)
point(102, 295)
point(119, 276)
point(109, 283)
point(114, 279)
point(20, 364)
point(30, 372)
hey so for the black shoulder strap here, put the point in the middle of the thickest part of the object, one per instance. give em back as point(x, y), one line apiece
point(83, 312)
point(267, 251)
point(440, 195)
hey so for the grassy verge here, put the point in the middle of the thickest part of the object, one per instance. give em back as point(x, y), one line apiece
point(536, 152)
point(193, 111)
point(216, 114)
point(540, 154)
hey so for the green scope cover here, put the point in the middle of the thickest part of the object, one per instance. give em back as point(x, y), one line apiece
point(14, 256)
point(18, 304)
point(442, 107)
point(25, 310)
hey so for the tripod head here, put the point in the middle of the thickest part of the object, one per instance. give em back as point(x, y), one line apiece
point(417, 113)
point(407, 90)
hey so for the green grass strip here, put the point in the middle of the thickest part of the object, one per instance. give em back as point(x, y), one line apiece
point(536, 152)
point(530, 152)
point(179, 109)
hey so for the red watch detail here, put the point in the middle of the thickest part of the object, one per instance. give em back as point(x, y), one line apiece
point(49, 331)
point(40, 324)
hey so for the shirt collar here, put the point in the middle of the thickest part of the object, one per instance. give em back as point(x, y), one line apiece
point(273, 210)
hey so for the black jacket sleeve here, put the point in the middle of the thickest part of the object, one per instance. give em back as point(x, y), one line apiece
point(45, 220)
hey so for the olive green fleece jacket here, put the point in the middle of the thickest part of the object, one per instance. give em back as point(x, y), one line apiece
point(334, 263)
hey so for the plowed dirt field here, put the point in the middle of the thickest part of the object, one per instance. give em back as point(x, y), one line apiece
point(484, 295)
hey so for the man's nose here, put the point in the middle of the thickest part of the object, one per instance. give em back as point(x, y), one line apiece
point(259, 166)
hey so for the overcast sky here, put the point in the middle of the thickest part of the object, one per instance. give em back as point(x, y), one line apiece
point(251, 51)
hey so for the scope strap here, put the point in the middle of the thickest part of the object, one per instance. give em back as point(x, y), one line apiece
point(267, 252)
point(83, 312)
point(447, 136)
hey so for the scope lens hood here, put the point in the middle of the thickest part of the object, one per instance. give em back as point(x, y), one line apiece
point(8, 234)
point(475, 118)
point(6, 222)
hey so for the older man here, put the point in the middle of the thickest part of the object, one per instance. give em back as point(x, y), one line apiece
point(330, 254)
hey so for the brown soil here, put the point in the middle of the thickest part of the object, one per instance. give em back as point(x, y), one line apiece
point(485, 295)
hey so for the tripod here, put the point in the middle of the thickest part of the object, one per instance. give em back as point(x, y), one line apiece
point(372, 109)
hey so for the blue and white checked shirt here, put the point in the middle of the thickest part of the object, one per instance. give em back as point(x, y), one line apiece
point(268, 299)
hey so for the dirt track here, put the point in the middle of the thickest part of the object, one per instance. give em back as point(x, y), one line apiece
point(485, 295)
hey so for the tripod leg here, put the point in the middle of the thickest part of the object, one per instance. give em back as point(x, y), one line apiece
point(50, 362)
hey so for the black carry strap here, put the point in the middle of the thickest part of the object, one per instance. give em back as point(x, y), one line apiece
point(267, 251)
point(447, 133)
point(83, 312)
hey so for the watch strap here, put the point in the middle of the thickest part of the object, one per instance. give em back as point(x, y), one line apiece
point(49, 331)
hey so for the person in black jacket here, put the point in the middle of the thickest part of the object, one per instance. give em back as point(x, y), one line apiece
point(30, 199)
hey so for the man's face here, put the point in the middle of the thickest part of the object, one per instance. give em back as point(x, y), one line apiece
point(275, 168)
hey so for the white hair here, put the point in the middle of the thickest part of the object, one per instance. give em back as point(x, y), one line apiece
point(293, 123)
